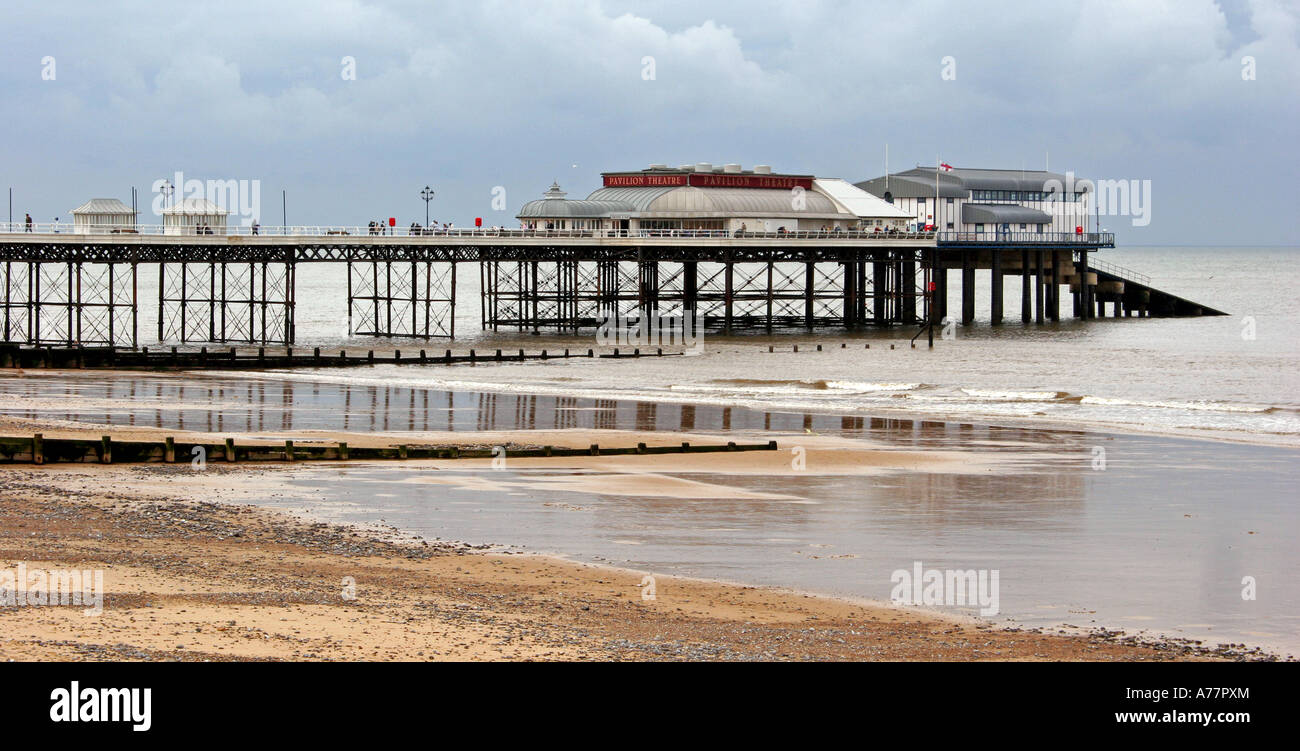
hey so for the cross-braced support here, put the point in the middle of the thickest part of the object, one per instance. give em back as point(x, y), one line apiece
point(402, 299)
point(18, 288)
point(69, 303)
point(251, 303)
point(565, 296)
point(560, 296)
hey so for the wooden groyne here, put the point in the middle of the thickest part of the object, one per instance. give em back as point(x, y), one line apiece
point(15, 356)
point(37, 449)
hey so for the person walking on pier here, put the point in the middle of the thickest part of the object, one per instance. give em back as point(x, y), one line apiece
point(29, 223)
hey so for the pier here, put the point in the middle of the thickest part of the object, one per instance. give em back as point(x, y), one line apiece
point(71, 289)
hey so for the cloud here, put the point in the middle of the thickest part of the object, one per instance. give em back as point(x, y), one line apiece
point(472, 95)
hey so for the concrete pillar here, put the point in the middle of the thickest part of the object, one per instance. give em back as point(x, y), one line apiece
point(995, 287)
point(940, 287)
point(1085, 290)
point(1025, 299)
point(1039, 286)
point(1076, 294)
point(1054, 309)
point(967, 287)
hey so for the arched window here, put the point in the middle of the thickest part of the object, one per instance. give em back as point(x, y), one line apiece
point(889, 197)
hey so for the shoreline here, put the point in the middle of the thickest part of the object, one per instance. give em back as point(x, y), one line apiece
point(230, 581)
point(978, 419)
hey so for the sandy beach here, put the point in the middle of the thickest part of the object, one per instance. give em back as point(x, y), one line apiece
point(194, 573)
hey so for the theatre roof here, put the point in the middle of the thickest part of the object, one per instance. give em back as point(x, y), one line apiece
point(1002, 213)
point(959, 181)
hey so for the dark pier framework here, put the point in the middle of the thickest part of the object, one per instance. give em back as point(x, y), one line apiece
point(85, 293)
point(729, 290)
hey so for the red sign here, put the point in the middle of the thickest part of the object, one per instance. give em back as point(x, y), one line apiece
point(392, 221)
point(643, 181)
point(707, 180)
point(478, 221)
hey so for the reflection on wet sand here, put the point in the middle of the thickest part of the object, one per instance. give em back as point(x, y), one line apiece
point(251, 405)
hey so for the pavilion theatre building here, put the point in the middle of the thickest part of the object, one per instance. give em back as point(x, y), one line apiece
point(719, 199)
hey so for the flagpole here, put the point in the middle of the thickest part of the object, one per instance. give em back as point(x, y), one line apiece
point(936, 192)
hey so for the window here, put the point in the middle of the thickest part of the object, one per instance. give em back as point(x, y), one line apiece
point(1023, 227)
point(1040, 228)
point(979, 229)
point(949, 225)
point(949, 201)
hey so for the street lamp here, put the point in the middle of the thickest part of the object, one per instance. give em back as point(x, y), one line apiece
point(427, 195)
point(166, 189)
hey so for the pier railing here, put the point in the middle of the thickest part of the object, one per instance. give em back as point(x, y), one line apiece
point(1118, 271)
point(1049, 238)
point(337, 231)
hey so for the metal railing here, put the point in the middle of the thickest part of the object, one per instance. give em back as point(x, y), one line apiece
point(336, 231)
point(1119, 271)
point(1083, 238)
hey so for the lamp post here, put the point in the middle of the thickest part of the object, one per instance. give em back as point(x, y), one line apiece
point(427, 195)
point(166, 189)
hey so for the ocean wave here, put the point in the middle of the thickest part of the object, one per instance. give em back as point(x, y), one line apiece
point(1198, 406)
point(865, 386)
point(788, 385)
point(1017, 396)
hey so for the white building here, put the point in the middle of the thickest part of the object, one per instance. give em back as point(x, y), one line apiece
point(702, 197)
point(194, 216)
point(102, 215)
point(872, 212)
point(988, 202)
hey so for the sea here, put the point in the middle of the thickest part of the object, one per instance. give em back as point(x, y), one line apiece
point(1234, 377)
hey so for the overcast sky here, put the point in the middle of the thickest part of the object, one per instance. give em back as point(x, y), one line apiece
point(469, 96)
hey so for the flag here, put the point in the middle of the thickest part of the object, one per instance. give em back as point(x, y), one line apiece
point(945, 167)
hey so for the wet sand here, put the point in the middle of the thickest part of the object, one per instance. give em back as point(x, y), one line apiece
point(929, 478)
point(190, 575)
